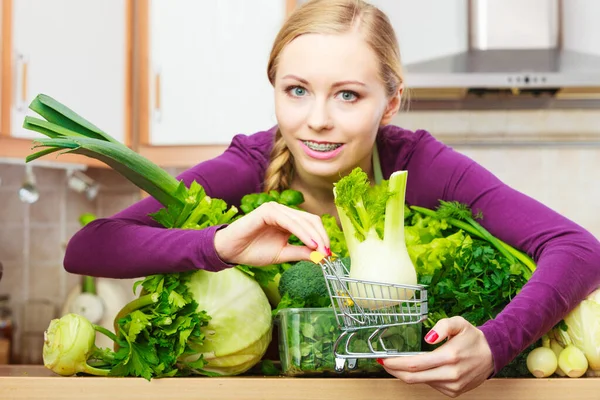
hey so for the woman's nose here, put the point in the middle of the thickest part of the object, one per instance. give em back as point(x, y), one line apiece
point(319, 118)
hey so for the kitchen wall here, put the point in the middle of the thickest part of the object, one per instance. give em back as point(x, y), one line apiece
point(32, 239)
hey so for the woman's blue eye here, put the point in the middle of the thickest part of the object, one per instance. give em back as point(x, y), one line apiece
point(348, 96)
point(298, 91)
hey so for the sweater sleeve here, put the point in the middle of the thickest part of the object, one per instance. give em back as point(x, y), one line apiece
point(130, 244)
point(567, 256)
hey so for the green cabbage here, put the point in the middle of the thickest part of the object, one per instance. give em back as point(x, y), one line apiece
point(239, 331)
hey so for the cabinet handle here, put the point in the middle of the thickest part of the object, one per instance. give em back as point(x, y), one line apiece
point(24, 82)
point(22, 98)
point(157, 97)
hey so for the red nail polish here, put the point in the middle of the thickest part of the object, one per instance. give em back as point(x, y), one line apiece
point(329, 253)
point(431, 336)
point(380, 361)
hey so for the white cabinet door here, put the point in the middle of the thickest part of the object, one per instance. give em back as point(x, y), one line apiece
point(75, 52)
point(208, 63)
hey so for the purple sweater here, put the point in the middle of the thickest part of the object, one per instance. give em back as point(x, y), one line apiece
point(129, 244)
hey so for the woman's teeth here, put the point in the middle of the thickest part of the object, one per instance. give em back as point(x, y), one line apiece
point(324, 147)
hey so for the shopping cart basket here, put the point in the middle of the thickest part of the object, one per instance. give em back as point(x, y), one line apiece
point(371, 308)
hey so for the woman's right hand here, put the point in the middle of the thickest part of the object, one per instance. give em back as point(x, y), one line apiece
point(261, 237)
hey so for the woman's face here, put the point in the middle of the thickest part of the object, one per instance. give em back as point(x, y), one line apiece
point(330, 102)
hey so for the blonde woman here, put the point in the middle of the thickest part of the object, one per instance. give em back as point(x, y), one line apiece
point(337, 78)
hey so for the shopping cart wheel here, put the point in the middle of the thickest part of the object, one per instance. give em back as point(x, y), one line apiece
point(340, 364)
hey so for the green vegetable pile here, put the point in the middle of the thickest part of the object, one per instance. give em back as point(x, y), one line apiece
point(178, 325)
point(467, 271)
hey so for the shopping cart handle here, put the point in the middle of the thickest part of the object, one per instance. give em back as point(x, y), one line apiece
point(317, 257)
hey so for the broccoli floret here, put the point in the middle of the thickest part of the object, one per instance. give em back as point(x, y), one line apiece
point(304, 281)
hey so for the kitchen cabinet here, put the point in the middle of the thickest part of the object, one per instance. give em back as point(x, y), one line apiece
point(206, 76)
point(33, 382)
point(76, 51)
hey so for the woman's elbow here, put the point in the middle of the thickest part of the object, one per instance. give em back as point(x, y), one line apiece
point(79, 255)
point(72, 262)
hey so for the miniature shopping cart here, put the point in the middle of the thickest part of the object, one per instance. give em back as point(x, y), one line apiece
point(376, 319)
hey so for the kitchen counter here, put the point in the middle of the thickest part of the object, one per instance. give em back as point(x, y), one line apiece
point(36, 382)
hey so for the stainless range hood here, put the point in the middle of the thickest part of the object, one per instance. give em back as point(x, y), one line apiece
point(517, 58)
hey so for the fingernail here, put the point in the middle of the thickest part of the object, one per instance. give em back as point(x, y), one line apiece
point(314, 243)
point(380, 361)
point(329, 253)
point(431, 336)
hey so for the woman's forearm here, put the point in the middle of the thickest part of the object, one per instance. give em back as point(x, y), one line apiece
point(116, 248)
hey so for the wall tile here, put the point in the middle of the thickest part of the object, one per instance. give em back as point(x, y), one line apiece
point(12, 210)
point(12, 279)
point(450, 123)
point(487, 122)
point(77, 204)
point(111, 203)
point(11, 175)
point(110, 179)
point(11, 243)
point(47, 210)
point(46, 246)
point(525, 122)
point(589, 121)
point(560, 121)
point(412, 120)
point(49, 177)
point(43, 283)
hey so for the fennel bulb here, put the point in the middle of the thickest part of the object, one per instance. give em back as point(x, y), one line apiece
point(372, 219)
point(572, 361)
point(583, 329)
point(542, 362)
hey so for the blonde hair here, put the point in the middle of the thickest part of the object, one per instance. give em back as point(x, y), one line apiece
point(332, 17)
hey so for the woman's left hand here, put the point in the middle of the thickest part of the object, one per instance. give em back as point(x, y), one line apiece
point(459, 365)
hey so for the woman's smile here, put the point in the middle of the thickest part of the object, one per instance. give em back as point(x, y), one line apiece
point(321, 150)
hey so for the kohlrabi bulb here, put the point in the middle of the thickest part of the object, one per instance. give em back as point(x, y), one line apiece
point(68, 342)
